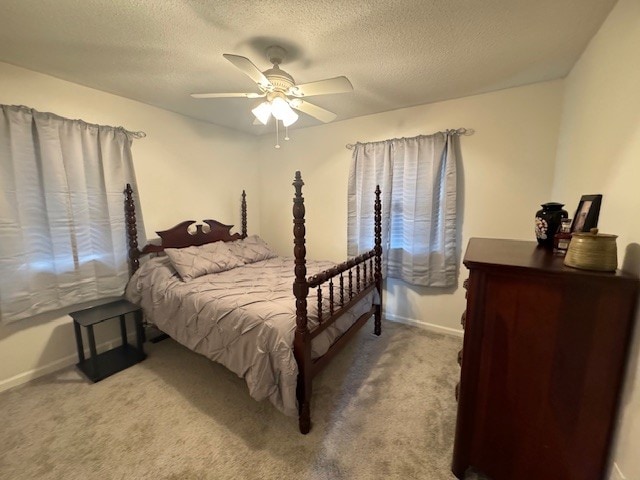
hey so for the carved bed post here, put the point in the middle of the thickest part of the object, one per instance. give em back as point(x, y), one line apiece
point(244, 214)
point(378, 250)
point(302, 339)
point(132, 231)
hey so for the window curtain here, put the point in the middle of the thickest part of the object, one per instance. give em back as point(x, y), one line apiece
point(62, 230)
point(418, 179)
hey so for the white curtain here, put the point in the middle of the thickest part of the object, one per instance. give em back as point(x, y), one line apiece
point(418, 179)
point(371, 165)
point(62, 231)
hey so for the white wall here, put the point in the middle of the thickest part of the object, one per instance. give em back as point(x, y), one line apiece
point(507, 171)
point(599, 152)
point(184, 168)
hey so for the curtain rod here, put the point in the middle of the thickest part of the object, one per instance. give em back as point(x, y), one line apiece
point(93, 125)
point(454, 131)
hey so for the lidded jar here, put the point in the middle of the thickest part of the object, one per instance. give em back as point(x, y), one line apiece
point(593, 251)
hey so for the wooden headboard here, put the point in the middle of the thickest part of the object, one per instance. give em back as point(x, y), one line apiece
point(178, 236)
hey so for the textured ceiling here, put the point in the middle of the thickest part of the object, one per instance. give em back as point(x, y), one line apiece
point(397, 53)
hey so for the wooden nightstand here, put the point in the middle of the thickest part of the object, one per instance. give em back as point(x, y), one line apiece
point(98, 367)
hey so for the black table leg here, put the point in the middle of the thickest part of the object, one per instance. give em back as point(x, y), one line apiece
point(123, 330)
point(139, 331)
point(92, 348)
point(76, 327)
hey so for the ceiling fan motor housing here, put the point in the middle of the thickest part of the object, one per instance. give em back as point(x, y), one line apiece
point(280, 79)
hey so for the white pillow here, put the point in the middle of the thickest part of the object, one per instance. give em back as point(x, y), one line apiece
point(251, 249)
point(193, 262)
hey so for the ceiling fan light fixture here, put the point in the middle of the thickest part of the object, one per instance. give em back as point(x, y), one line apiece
point(282, 111)
point(279, 107)
point(290, 118)
point(262, 112)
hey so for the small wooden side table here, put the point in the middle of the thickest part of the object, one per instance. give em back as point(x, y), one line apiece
point(98, 367)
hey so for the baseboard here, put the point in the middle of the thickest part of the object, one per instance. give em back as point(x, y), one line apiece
point(429, 326)
point(64, 362)
point(59, 364)
point(34, 373)
point(616, 473)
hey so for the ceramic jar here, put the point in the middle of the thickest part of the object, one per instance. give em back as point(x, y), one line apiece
point(548, 221)
point(593, 251)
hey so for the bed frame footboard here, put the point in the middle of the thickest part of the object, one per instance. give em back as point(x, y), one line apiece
point(341, 287)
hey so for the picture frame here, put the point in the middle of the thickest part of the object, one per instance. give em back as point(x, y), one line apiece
point(587, 213)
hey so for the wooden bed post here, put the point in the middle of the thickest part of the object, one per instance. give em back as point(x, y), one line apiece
point(302, 340)
point(244, 214)
point(378, 249)
point(132, 231)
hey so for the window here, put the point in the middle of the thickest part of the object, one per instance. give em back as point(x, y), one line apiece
point(417, 177)
point(62, 229)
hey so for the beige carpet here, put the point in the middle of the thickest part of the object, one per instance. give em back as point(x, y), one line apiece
point(384, 409)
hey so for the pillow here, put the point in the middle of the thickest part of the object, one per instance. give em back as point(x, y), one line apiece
point(251, 249)
point(193, 262)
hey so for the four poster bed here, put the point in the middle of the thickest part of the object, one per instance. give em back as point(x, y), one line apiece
point(228, 297)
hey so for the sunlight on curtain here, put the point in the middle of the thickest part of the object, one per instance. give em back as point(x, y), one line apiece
point(62, 230)
point(418, 181)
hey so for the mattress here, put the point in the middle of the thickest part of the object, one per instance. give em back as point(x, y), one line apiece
point(243, 318)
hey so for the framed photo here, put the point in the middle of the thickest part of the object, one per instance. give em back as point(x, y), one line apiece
point(587, 213)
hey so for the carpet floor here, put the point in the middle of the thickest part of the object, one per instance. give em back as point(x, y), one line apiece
point(383, 409)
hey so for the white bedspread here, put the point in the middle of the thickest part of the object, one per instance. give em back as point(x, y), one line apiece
point(243, 318)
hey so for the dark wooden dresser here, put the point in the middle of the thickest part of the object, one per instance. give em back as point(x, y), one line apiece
point(545, 348)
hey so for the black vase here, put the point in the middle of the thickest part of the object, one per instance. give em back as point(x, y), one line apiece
point(548, 222)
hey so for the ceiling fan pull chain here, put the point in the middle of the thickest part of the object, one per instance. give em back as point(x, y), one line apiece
point(286, 132)
point(277, 134)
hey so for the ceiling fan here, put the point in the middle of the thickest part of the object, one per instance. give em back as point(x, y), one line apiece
point(280, 91)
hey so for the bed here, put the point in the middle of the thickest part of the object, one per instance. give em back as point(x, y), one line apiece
point(230, 298)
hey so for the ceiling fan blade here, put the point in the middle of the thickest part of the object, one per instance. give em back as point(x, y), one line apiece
point(322, 87)
point(249, 69)
point(227, 95)
point(315, 111)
